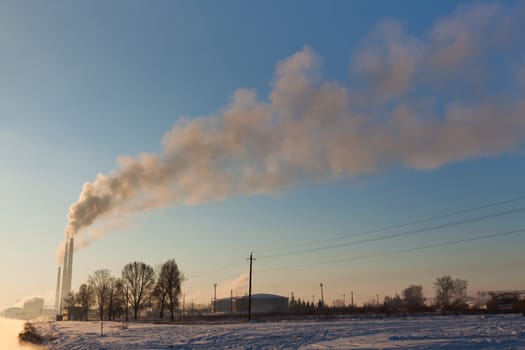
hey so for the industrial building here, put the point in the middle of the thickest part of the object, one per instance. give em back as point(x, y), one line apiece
point(501, 300)
point(261, 304)
point(225, 306)
point(31, 308)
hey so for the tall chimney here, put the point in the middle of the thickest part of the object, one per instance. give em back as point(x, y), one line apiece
point(70, 265)
point(64, 291)
point(57, 296)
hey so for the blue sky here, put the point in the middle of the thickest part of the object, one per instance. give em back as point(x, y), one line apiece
point(85, 83)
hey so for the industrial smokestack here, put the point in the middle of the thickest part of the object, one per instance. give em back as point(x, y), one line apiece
point(64, 272)
point(57, 295)
point(67, 271)
point(64, 265)
point(70, 265)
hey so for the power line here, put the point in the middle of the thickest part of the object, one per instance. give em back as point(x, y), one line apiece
point(234, 261)
point(406, 250)
point(395, 226)
point(396, 235)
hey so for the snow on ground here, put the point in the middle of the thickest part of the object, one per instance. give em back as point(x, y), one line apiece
point(461, 332)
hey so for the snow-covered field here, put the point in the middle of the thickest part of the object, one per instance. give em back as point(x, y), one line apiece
point(463, 332)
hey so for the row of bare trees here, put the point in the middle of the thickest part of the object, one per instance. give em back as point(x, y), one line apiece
point(139, 284)
point(450, 295)
point(411, 299)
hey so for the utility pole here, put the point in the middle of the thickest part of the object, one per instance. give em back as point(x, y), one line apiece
point(250, 289)
point(231, 301)
point(344, 296)
point(377, 296)
point(183, 305)
point(322, 296)
point(352, 298)
point(214, 297)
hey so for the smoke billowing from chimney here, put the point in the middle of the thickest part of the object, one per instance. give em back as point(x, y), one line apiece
point(416, 102)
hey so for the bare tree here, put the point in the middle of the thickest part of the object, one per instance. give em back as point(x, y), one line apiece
point(140, 280)
point(99, 281)
point(69, 300)
point(116, 298)
point(450, 291)
point(460, 292)
point(170, 279)
point(444, 287)
point(160, 293)
point(85, 299)
point(392, 304)
point(413, 297)
point(111, 298)
point(119, 299)
point(124, 295)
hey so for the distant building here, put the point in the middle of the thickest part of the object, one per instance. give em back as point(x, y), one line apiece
point(14, 312)
point(34, 306)
point(500, 300)
point(71, 313)
point(262, 303)
point(224, 306)
point(31, 308)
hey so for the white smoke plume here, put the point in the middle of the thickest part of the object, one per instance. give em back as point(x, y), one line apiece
point(416, 102)
point(238, 286)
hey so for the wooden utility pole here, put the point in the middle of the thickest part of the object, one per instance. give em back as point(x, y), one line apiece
point(215, 298)
point(250, 289)
point(322, 296)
